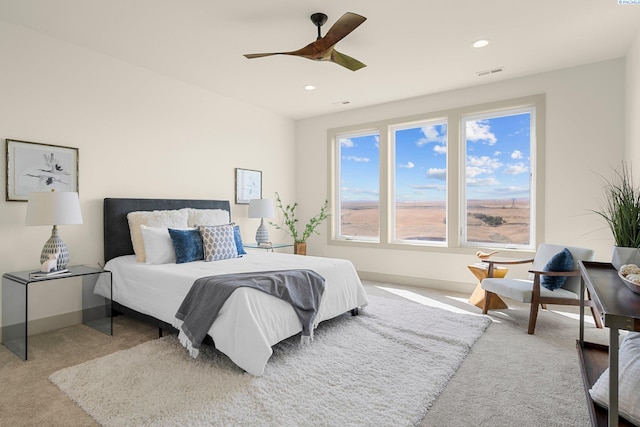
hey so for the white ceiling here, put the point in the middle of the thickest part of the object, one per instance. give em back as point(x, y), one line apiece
point(411, 47)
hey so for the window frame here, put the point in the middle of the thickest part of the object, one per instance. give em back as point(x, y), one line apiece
point(392, 179)
point(337, 185)
point(531, 110)
point(456, 164)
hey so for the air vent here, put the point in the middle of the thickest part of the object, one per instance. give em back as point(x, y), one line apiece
point(488, 72)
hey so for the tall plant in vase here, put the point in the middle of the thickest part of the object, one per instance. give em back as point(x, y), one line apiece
point(621, 212)
point(291, 223)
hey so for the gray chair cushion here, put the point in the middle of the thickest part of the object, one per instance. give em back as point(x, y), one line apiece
point(521, 289)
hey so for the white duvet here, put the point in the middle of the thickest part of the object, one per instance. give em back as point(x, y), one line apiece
point(250, 321)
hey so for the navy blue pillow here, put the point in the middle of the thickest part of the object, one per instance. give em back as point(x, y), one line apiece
point(238, 238)
point(562, 261)
point(187, 244)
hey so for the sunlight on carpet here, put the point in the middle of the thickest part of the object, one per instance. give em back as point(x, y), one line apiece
point(421, 299)
point(384, 367)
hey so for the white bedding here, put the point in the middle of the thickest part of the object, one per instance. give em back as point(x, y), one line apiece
point(250, 322)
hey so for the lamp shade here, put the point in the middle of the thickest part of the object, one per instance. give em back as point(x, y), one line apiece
point(261, 208)
point(53, 208)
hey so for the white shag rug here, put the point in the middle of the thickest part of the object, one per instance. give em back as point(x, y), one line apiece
point(384, 367)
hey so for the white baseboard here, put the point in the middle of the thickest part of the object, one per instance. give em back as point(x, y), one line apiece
point(419, 282)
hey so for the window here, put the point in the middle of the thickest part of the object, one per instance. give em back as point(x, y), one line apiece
point(359, 185)
point(497, 196)
point(466, 177)
point(420, 182)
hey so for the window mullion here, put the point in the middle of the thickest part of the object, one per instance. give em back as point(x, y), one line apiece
point(385, 186)
point(454, 168)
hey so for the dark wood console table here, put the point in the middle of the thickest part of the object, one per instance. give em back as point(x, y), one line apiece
point(620, 309)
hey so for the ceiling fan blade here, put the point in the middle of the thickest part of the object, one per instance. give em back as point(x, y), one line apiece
point(342, 27)
point(260, 55)
point(346, 61)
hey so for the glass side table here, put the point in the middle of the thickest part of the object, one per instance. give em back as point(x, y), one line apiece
point(96, 309)
point(268, 248)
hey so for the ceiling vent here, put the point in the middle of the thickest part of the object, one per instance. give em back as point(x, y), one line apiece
point(489, 72)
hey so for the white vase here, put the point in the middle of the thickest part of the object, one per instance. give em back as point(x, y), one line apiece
point(622, 256)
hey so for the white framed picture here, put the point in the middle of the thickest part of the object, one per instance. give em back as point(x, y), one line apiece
point(32, 167)
point(248, 185)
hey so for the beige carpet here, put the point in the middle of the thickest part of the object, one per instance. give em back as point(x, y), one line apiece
point(505, 380)
point(383, 367)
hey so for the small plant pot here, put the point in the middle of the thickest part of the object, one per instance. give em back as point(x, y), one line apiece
point(300, 248)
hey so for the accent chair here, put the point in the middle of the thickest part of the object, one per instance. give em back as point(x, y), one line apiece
point(531, 290)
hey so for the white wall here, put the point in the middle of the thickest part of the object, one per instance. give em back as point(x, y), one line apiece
point(139, 134)
point(584, 137)
point(632, 93)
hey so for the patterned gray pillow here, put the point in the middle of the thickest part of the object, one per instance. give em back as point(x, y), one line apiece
point(218, 242)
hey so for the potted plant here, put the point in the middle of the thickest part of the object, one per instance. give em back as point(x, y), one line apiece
point(291, 222)
point(621, 212)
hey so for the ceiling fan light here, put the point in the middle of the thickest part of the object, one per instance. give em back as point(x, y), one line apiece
point(309, 87)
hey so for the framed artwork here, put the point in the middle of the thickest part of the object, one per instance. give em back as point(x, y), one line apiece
point(248, 185)
point(32, 166)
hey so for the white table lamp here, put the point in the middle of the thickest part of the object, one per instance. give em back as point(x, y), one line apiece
point(54, 208)
point(261, 208)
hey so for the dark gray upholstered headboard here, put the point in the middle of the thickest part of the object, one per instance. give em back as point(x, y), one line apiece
point(117, 239)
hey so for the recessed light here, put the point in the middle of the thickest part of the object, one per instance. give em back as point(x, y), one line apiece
point(480, 43)
point(309, 87)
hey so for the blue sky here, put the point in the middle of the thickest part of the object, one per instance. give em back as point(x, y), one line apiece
point(497, 161)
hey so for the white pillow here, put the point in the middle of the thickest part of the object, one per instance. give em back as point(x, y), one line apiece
point(197, 217)
point(158, 246)
point(628, 383)
point(165, 219)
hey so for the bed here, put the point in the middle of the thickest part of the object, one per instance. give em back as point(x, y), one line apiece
point(250, 322)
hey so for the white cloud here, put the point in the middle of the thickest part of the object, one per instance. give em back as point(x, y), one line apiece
point(481, 165)
point(408, 165)
point(440, 149)
point(473, 182)
point(356, 159)
point(512, 190)
point(516, 169)
point(346, 142)
point(437, 173)
point(517, 154)
point(432, 134)
point(438, 187)
point(484, 162)
point(479, 130)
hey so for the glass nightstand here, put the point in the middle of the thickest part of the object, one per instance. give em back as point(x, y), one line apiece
point(96, 309)
point(268, 248)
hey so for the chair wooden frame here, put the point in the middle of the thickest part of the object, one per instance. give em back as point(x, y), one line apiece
point(536, 299)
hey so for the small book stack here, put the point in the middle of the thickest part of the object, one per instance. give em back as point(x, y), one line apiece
point(265, 245)
point(54, 273)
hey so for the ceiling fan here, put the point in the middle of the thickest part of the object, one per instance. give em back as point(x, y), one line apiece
point(323, 48)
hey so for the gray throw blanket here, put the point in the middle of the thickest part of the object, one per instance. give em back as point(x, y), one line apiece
point(302, 289)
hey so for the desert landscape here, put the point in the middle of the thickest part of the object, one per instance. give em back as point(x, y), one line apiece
point(501, 221)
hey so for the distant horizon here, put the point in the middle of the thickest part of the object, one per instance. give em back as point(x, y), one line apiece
point(431, 202)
